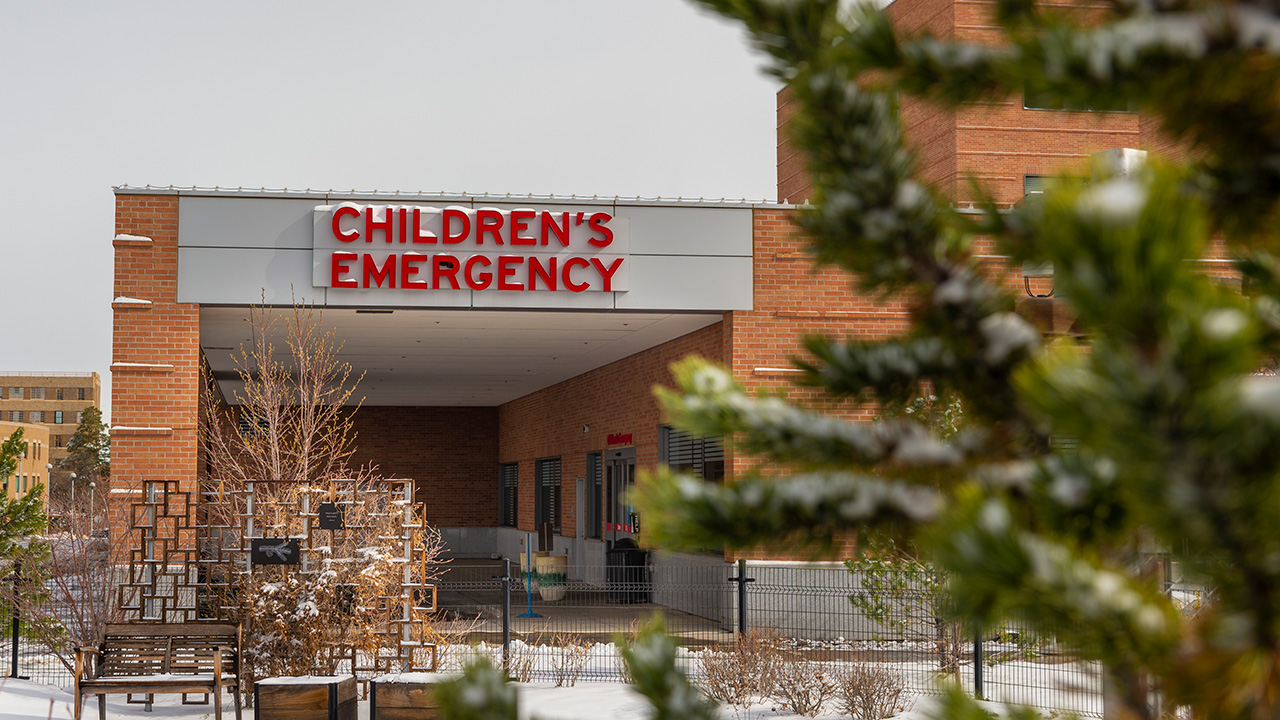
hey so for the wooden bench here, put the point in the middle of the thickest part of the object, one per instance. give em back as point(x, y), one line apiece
point(146, 658)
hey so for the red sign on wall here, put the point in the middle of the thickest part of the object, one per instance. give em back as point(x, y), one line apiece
point(619, 439)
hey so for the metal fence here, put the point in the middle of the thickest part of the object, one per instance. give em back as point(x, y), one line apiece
point(542, 622)
point(805, 607)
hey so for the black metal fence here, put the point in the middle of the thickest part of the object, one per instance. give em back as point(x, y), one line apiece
point(577, 619)
point(560, 622)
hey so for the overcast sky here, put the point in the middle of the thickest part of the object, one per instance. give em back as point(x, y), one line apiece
point(609, 97)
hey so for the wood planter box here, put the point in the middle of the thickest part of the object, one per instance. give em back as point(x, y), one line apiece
point(409, 696)
point(305, 698)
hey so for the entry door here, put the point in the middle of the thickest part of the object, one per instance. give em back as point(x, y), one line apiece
point(620, 520)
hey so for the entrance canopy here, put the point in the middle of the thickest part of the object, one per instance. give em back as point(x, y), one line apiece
point(484, 358)
point(461, 300)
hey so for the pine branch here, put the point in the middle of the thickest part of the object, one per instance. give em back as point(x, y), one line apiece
point(813, 509)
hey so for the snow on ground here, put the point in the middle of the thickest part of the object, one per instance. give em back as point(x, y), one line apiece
point(23, 700)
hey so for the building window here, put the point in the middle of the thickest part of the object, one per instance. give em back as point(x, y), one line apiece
point(592, 496)
point(508, 494)
point(1043, 100)
point(57, 441)
point(58, 393)
point(80, 392)
point(37, 416)
point(79, 417)
point(15, 393)
point(546, 507)
point(57, 417)
point(37, 393)
point(682, 452)
point(15, 416)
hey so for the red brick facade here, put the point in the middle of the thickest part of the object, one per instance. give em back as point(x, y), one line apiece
point(155, 355)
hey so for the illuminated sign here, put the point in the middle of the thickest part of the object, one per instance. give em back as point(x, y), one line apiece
point(416, 247)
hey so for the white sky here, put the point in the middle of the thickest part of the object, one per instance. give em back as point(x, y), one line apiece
point(609, 97)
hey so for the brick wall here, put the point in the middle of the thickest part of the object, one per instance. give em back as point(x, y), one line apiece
point(616, 398)
point(155, 356)
point(451, 451)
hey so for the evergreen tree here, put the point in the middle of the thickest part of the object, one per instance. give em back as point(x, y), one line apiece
point(88, 451)
point(22, 516)
point(1169, 399)
point(1174, 414)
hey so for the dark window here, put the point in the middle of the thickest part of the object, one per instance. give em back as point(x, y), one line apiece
point(702, 456)
point(546, 507)
point(80, 391)
point(248, 426)
point(592, 497)
point(57, 416)
point(508, 493)
point(59, 393)
point(57, 441)
point(1044, 100)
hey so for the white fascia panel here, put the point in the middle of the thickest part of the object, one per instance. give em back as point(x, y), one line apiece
point(245, 222)
point(238, 276)
point(689, 231)
point(671, 282)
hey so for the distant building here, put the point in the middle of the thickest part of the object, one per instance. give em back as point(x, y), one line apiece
point(54, 400)
point(33, 465)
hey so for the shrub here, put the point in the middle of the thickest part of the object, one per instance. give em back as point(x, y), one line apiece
point(867, 691)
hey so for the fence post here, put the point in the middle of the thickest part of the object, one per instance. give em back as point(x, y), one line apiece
point(506, 615)
point(742, 581)
point(13, 658)
point(977, 663)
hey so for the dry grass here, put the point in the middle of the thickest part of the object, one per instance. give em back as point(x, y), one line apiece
point(569, 658)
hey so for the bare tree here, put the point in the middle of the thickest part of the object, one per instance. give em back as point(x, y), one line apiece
point(291, 420)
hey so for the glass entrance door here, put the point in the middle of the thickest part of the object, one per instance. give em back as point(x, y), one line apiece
point(620, 519)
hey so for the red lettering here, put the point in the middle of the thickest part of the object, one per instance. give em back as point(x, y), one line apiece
point(597, 223)
point(404, 222)
point(446, 267)
point(420, 237)
point(607, 273)
point(489, 222)
point(448, 216)
point(561, 232)
point(408, 268)
point(538, 270)
point(339, 267)
point(484, 279)
point(566, 273)
point(347, 235)
point(370, 224)
point(519, 223)
point(506, 269)
point(385, 273)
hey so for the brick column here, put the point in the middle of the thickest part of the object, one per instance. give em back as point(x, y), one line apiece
point(155, 358)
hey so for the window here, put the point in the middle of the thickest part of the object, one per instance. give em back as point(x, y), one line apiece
point(702, 456)
point(546, 506)
point(15, 393)
point(15, 416)
point(1035, 184)
point(37, 416)
point(57, 417)
point(57, 441)
point(37, 393)
point(80, 392)
point(79, 417)
point(508, 494)
point(58, 393)
point(592, 497)
point(1045, 100)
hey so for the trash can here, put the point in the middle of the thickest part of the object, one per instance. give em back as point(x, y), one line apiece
point(627, 573)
